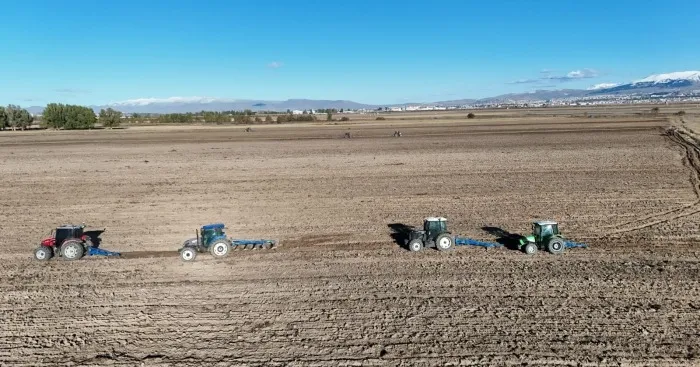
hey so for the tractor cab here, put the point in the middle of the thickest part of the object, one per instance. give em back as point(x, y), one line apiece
point(65, 232)
point(433, 234)
point(68, 231)
point(545, 236)
point(433, 226)
point(211, 233)
point(544, 230)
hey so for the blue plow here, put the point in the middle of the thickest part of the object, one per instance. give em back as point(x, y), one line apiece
point(464, 241)
point(252, 243)
point(575, 245)
point(94, 251)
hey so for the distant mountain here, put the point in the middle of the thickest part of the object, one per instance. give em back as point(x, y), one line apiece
point(196, 104)
point(670, 83)
point(678, 81)
point(537, 95)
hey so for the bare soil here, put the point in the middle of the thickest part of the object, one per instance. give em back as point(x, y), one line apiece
point(339, 290)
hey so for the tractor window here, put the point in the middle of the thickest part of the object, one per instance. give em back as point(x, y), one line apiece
point(536, 230)
point(546, 231)
point(435, 226)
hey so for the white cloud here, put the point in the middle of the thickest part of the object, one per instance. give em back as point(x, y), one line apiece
point(583, 73)
point(603, 86)
point(546, 75)
point(275, 65)
point(148, 101)
point(524, 81)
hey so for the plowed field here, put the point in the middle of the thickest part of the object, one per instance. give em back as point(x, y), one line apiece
point(339, 290)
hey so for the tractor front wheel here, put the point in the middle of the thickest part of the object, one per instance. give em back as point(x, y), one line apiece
point(444, 242)
point(415, 245)
point(188, 254)
point(556, 246)
point(72, 250)
point(220, 249)
point(43, 253)
point(530, 248)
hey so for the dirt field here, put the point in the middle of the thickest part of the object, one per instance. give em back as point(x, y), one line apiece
point(339, 290)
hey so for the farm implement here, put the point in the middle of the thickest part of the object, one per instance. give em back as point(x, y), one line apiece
point(211, 237)
point(71, 242)
point(545, 236)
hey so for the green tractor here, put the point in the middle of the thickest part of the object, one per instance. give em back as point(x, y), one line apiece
point(545, 236)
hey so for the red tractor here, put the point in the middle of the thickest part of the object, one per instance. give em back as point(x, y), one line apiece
point(71, 243)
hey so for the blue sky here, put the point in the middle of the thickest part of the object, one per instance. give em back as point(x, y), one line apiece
point(382, 52)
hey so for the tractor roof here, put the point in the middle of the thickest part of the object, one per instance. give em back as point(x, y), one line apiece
point(70, 226)
point(435, 219)
point(212, 226)
point(545, 222)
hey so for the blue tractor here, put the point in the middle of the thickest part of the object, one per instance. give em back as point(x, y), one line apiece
point(211, 237)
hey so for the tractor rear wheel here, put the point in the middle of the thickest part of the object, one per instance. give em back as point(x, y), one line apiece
point(444, 242)
point(188, 254)
point(220, 248)
point(72, 250)
point(415, 245)
point(43, 253)
point(530, 248)
point(556, 245)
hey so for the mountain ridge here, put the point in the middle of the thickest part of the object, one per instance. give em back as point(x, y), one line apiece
point(683, 81)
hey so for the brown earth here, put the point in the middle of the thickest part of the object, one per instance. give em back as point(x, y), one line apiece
point(339, 291)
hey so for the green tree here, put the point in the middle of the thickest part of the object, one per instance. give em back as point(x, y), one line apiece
point(3, 118)
point(53, 115)
point(18, 117)
point(78, 117)
point(110, 117)
point(329, 116)
point(268, 119)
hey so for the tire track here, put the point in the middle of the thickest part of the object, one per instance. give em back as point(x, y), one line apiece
point(691, 160)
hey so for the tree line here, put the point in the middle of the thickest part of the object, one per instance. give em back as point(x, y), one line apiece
point(15, 117)
point(72, 117)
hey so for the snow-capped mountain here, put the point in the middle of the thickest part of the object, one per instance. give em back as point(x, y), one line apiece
point(677, 81)
point(693, 76)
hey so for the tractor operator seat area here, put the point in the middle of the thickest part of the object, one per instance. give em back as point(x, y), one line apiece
point(435, 225)
point(211, 232)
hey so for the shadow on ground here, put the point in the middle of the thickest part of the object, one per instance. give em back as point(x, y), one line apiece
point(505, 238)
point(400, 233)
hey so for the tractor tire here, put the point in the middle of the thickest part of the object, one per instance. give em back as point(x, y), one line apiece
point(556, 245)
point(444, 242)
point(188, 254)
point(415, 245)
point(72, 250)
point(530, 248)
point(43, 253)
point(220, 249)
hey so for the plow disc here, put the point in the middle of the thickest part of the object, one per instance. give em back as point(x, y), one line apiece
point(94, 251)
point(575, 245)
point(464, 241)
point(253, 244)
